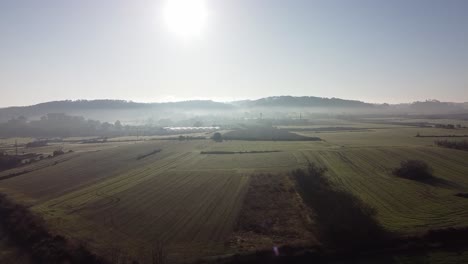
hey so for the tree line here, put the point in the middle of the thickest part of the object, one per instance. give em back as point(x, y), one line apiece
point(63, 125)
point(454, 144)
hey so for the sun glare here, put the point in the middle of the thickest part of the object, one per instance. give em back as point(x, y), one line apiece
point(185, 17)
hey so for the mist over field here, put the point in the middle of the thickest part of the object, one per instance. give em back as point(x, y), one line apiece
point(270, 107)
point(196, 180)
point(233, 132)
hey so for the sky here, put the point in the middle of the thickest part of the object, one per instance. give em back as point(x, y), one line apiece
point(369, 50)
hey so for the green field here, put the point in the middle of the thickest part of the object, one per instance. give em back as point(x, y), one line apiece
point(104, 196)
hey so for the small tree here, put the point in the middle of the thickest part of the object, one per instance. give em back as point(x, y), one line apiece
point(217, 137)
point(118, 125)
point(414, 170)
point(58, 152)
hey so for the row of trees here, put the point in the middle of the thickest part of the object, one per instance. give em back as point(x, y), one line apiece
point(461, 144)
point(8, 161)
point(62, 125)
point(448, 126)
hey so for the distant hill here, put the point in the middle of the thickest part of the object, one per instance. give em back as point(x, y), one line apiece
point(435, 106)
point(303, 101)
point(66, 106)
point(111, 110)
point(100, 109)
point(196, 104)
point(79, 106)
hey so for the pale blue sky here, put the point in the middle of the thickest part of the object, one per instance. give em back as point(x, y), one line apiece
point(370, 50)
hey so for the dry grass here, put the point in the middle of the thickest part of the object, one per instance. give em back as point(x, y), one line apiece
point(273, 214)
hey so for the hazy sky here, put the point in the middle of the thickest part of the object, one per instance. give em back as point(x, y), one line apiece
point(371, 50)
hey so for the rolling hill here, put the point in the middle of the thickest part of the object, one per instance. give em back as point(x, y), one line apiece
point(110, 110)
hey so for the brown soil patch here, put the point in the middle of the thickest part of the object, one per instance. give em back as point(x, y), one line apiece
point(273, 214)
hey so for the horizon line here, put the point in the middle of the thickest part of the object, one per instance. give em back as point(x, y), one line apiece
point(221, 100)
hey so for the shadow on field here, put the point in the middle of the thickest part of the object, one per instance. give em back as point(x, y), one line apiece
point(418, 170)
point(343, 221)
point(29, 233)
point(439, 182)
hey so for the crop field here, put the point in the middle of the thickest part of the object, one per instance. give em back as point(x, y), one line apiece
point(111, 194)
point(73, 170)
point(107, 198)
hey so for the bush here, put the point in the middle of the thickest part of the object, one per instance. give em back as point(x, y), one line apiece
point(462, 195)
point(217, 137)
point(58, 153)
point(414, 170)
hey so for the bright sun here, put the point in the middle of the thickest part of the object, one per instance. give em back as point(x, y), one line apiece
point(185, 17)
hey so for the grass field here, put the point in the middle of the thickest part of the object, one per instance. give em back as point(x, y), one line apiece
point(104, 196)
point(403, 205)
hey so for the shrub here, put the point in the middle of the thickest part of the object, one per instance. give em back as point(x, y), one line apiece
point(414, 170)
point(462, 195)
point(58, 153)
point(217, 137)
